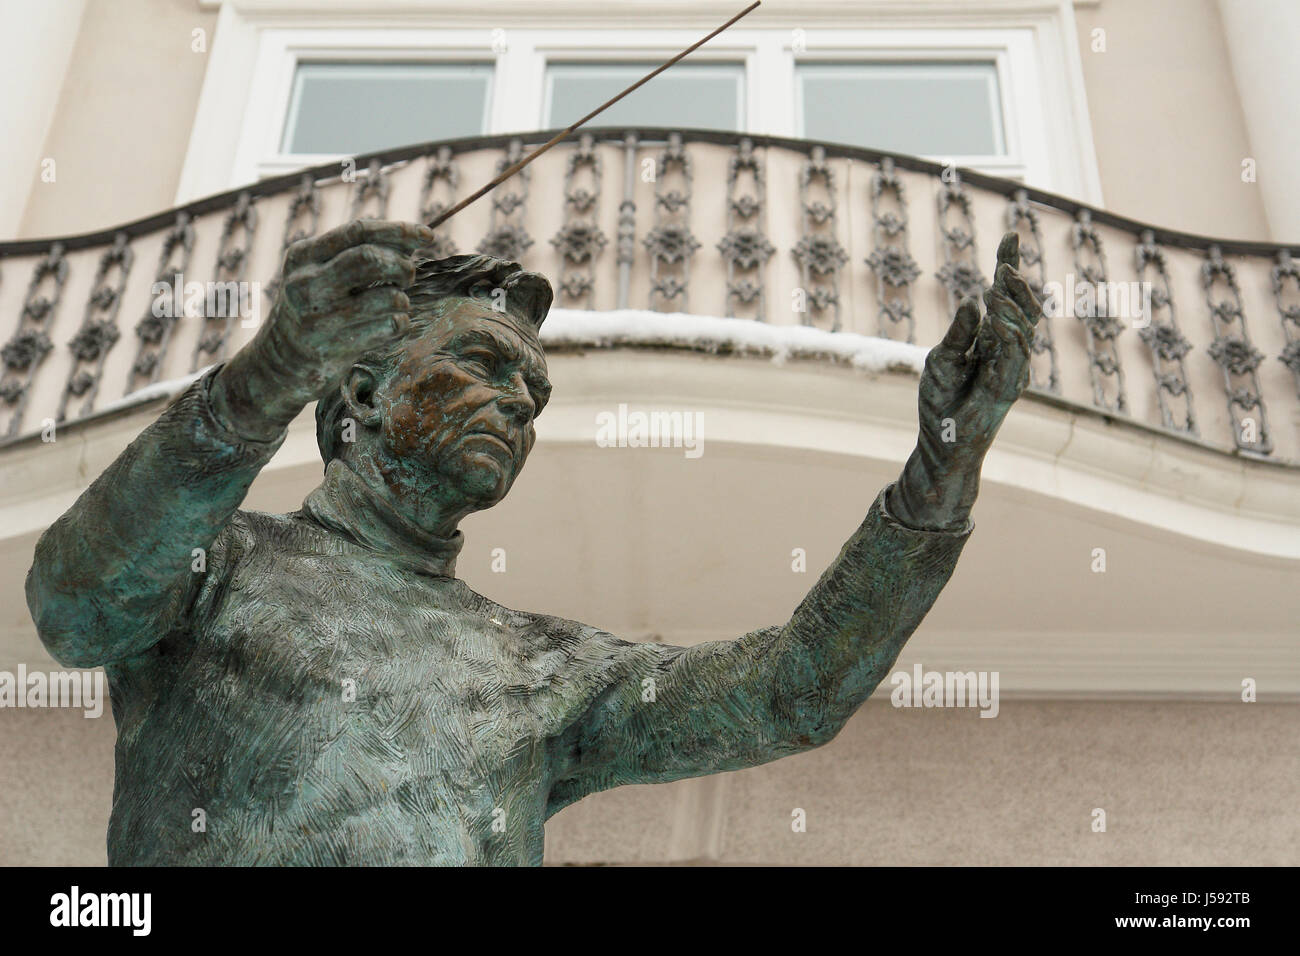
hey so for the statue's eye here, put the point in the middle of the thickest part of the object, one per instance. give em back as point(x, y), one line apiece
point(480, 363)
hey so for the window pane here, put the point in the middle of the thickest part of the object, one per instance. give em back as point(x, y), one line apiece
point(926, 109)
point(355, 108)
point(703, 95)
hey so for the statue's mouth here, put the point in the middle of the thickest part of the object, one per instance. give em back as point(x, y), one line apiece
point(496, 439)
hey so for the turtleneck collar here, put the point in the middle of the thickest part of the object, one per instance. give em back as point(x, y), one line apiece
point(347, 506)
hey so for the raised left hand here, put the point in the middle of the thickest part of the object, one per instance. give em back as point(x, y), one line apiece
point(971, 380)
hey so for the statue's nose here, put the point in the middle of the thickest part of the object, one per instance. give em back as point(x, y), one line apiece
point(516, 399)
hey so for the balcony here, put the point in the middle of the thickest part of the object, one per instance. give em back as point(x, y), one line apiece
point(1187, 338)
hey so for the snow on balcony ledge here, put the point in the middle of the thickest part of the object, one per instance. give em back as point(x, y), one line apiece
point(569, 328)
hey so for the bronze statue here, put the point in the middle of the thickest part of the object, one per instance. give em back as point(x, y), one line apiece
point(319, 687)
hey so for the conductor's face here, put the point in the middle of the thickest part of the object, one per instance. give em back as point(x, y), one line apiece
point(458, 414)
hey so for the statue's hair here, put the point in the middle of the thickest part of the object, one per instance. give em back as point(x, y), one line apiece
point(438, 284)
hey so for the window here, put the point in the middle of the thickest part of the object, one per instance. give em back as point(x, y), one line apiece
point(924, 109)
point(292, 86)
point(347, 108)
point(701, 95)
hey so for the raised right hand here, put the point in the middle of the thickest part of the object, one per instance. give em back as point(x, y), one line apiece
point(340, 296)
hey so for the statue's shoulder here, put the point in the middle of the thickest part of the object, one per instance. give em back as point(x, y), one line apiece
point(543, 633)
point(589, 655)
point(247, 533)
point(247, 529)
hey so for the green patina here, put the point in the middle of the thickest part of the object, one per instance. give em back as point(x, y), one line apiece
point(319, 687)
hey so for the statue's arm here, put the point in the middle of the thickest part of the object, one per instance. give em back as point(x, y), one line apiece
point(675, 712)
point(732, 704)
point(118, 569)
point(115, 572)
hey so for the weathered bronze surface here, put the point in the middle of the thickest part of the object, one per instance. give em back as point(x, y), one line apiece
point(319, 687)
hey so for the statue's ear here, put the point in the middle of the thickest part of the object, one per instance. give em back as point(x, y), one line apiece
point(359, 395)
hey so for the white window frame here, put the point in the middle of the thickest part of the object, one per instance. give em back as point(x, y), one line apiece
point(548, 94)
point(1044, 111)
point(529, 53)
point(1011, 163)
point(292, 107)
point(258, 153)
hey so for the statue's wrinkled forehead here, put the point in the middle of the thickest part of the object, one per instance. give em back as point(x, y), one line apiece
point(459, 315)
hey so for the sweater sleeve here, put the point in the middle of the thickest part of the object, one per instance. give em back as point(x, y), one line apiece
point(122, 566)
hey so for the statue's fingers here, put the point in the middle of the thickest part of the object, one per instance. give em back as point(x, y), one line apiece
point(1004, 351)
point(374, 316)
point(1022, 295)
point(1007, 320)
point(1002, 377)
point(965, 323)
point(946, 362)
point(321, 288)
point(1009, 250)
point(405, 237)
point(364, 267)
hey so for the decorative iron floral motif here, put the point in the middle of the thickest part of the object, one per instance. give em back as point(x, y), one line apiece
point(30, 343)
point(744, 247)
point(93, 340)
point(156, 326)
point(506, 241)
point(305, 207)
point(146, 365)
point(506, 237)
point(890, 261)
point(1238, 357)
point(1102, 331)
point(1285, 277)
point(25, 350)
point(576, 284)
point(960, 273)
point(963, 280)
point(1234, 353)
point(152, 328)
point(371, 187)
point(820, 256)
point(80, 384)
point(440, 168)
point(896, 266)
point(580, 241)
point(1163, 338)
point(232, 258)
point(1290, 356)
point(1165, 341)
point(670, 243)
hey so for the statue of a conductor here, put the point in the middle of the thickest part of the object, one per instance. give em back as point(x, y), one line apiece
point(320, 688)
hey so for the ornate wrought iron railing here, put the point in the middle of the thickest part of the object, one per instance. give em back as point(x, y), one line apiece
point(754, 228)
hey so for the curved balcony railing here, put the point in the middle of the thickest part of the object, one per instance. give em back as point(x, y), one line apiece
point(1196, 338)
